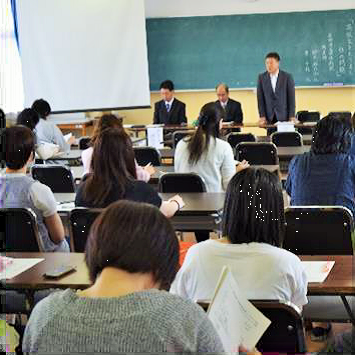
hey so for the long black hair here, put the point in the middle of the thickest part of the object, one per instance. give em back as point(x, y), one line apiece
point(208, 126)
point(254, 208)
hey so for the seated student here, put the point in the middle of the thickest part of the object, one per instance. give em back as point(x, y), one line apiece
point(113, 176)
point(110, 121)
point(132, 255)
point(253, 229)
point(169, 110)
point(29, 118)
point(47, 131)
point(20, 191)
point(325, 175)
point(207, 155)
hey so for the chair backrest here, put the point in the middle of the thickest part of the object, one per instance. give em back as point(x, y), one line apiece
point(80, 221)
point(84, 142)
point(178, 135)
point(257, 153)
point(146, 155)
point(308, 116)
point(181, 182)
point(285, 334)
point(58, 177)
point(318, 230)
point(21, 231)
point(287, 139)
point(235, 138)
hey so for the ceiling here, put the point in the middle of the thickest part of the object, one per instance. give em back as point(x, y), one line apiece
point(181, 8)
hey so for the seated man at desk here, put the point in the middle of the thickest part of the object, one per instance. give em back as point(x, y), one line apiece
point(231, 110)
point(169, 110)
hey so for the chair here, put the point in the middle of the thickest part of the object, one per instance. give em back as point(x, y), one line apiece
point(21, 231)
point(318, 230)
point(307, 116)
point(146, 155)
point(80, 221)
point(181, 182)
point(287, 139)
point(257, 153)
point(84, 143)
point(285, 334)
point(235, 138)
point(178, 135)
point(57, 177)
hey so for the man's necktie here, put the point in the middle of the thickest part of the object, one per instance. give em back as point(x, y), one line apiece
point(167, 106)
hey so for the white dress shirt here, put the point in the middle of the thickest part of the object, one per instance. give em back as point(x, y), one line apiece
point(274, 78)
point(170, 103)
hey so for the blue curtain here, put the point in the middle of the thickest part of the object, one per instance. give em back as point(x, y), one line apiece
point(14, 15)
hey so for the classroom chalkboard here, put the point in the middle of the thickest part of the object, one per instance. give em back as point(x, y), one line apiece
point(317, 48)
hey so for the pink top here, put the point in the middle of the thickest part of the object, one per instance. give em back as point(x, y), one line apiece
point(86, 155)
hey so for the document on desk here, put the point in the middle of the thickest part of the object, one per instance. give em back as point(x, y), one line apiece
point(317, 271)
point(16, 266)
point(235, 319)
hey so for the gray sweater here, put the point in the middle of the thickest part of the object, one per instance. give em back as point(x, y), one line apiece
point(143, 322)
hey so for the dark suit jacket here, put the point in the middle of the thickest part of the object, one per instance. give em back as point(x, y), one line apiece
point(233, 111)
point(278, 105)
point(176, 115)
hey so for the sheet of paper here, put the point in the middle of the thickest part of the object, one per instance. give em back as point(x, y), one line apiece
point(285, 127)
point(317, 271)
point(68, 136)
point(235, 319)
point(18, 266)
point(155, 137)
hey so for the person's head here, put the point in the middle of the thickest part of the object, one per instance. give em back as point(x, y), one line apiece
point(112, 165)
point(28, 117)
point(254, 208)
point(19, 145)
point(42, 108)
point(167, 90)
point(331, 135)
point(105, 122)
point(222, 91)
point(133, 237)
point(272, 62)
point(209, 124)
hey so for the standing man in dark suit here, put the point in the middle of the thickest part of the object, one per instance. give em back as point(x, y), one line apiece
point(169, 110)
point(231, 110)
point(276, 93)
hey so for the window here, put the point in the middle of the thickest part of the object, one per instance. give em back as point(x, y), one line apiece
point(11, 87)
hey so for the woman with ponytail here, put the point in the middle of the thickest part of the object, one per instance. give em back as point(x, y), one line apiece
point(206, 154)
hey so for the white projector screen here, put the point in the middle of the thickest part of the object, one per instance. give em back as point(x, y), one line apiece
point(84, 55)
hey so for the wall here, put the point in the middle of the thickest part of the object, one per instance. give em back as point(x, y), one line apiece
point(323, 100)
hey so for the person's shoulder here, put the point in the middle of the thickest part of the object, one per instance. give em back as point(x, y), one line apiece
point(38, 188)
point(222, 144)
point(283, 256)
point(234, 102)
point(53, 302)
point(139, 186)
point(158, 103)
point(177, 307)
point(285, 74)
point(178, 102)
point(263, 74)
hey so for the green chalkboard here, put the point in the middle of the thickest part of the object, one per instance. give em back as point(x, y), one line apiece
point(317, 48)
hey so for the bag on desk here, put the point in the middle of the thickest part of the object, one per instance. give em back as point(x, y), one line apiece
point(47, 150)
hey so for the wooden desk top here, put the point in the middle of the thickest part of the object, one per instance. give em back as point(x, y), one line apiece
point(282, 152)
point(340, 281)
point(196, 204)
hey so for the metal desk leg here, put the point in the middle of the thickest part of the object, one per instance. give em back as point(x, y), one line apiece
point(348, 309)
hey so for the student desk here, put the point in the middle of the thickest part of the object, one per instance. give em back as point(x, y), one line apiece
point(74, 154)
point(80, 125)
point(202, 210)
point(77, 171)
point(284, 153)
point(340, 281)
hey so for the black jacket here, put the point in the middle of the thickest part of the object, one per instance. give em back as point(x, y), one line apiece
point(176, 115)
point(233, 111)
